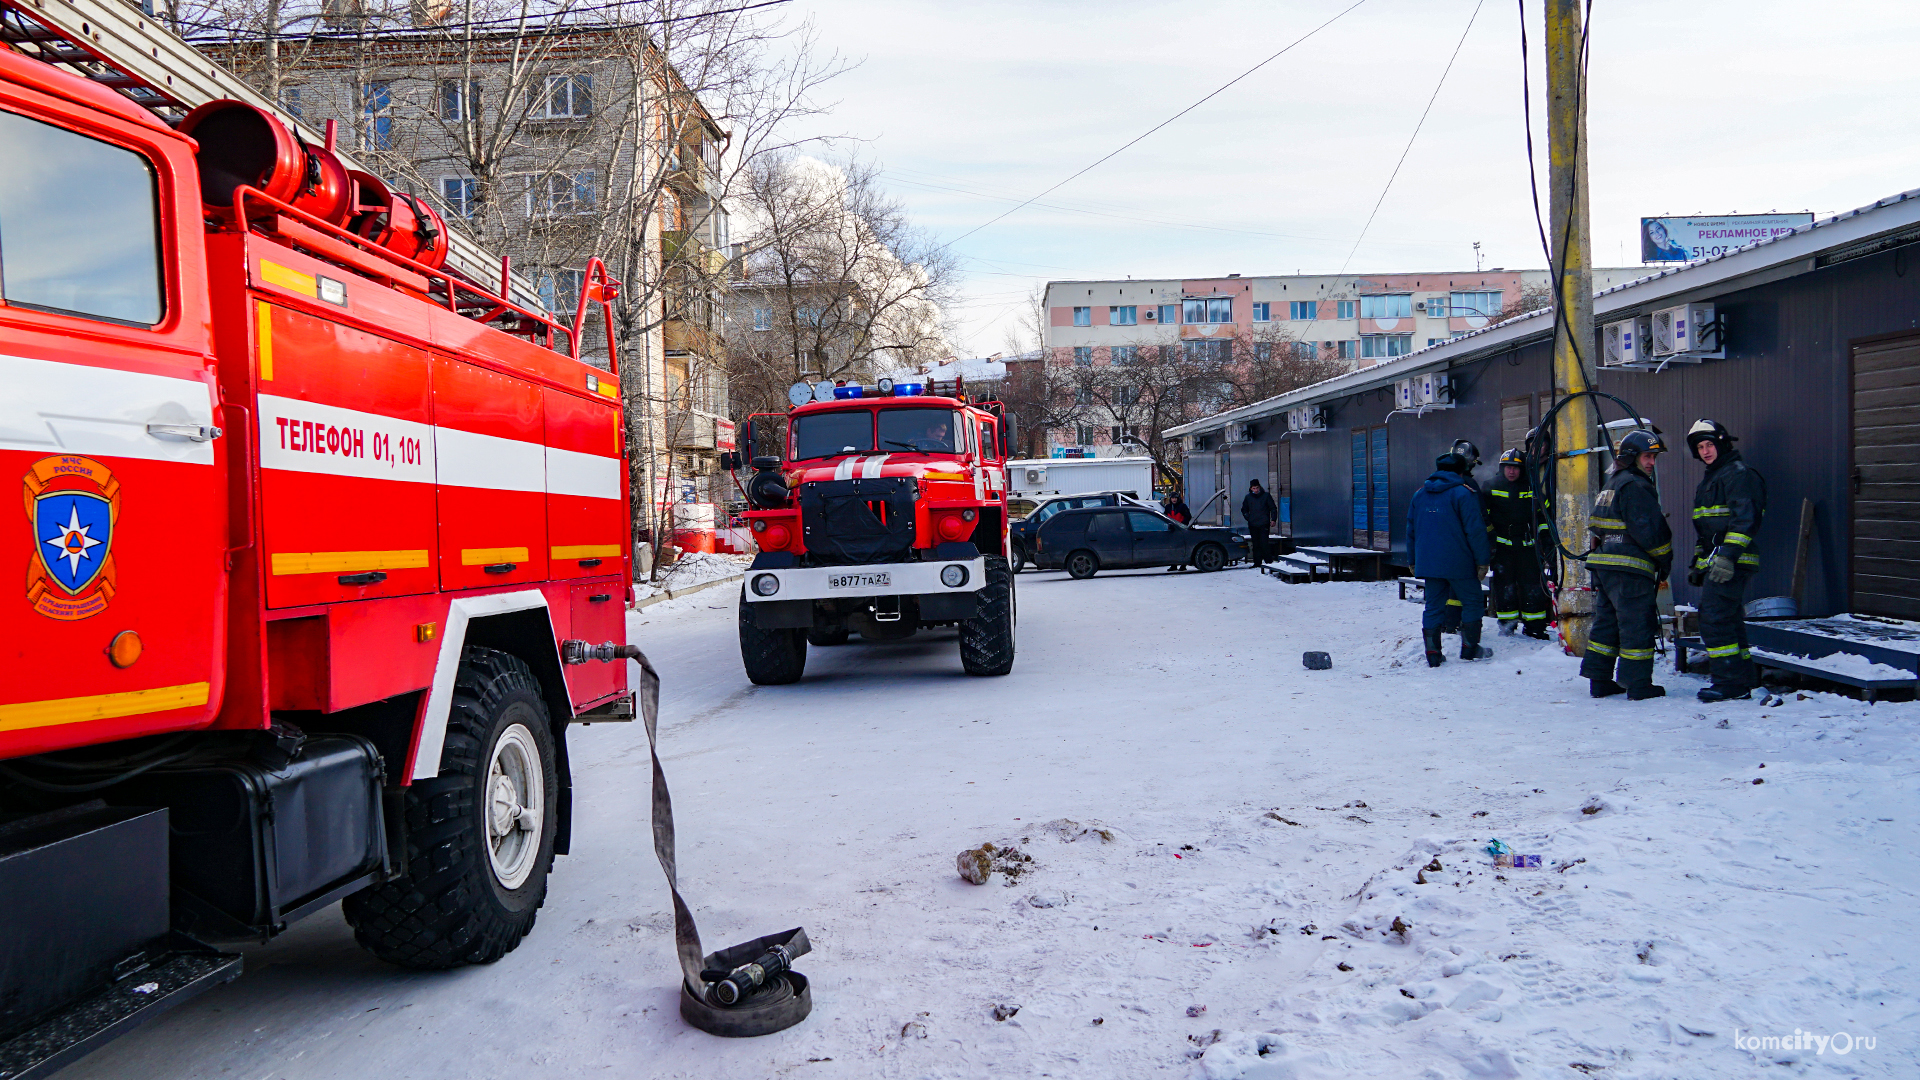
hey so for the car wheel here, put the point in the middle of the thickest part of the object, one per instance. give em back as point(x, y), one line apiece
point(1019, 560)
point(1209, 557)
point(1082, 565)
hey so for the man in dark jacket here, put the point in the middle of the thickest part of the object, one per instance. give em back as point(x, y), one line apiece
point(1447, 546)
point(1258, 511)
point(1727, 510)
point(1517, 594)
point(1466, 451)
point(1176, 507)
point(1632, 552)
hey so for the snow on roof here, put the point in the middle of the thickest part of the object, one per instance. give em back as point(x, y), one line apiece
point(1701, 279)
point(978, 369)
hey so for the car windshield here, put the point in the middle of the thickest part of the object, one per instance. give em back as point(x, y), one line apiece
point(829, 433)
point(926, 430)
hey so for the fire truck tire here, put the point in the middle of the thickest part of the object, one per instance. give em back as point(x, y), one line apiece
point(476, 875)
point(986, 642)
point(1209, 557)
point(1082, 565)
point(827, 637)
point(771, 657)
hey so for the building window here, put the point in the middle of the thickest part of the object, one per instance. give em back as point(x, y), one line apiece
point(1306, 350)
point(1387, 306)
point(376, 105)
point(1348, 309)
point(290, 101)
point(1303, 310)
point(1118, 432)
point(456, 105)
point(1214, 310)
point(1083, 395)
point(1083, 355)
point(763, 318)
point(1262, 311)
point(1125, 354)
point(568, 97)
point(1083, 316)
point(560, 194)
point(560, 290)
point(1169, 313)
point(460, 194)
point(1128, 315)
point(1263, 351)
point(1476, 303)
point(1432, 341)
point(1084, 434)
point(1209, 352)
point(807, 316)
point(1380, 346)
point(1348, 349)
point(1436, 307)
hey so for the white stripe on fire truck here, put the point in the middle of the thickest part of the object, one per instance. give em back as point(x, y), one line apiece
point(844, 470)
point(306, 436)
point(53, 408)
point(871, 470)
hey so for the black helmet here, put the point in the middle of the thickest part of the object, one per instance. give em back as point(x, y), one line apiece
point(1468, 451)
point(1514, 457)
point(1452, 462)
point(1639, 442)
point(1702, 430)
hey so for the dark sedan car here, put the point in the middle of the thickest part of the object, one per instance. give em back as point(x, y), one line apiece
point(1085, 542)
point(1024, 527)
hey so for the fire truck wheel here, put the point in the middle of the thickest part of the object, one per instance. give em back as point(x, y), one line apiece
point(986, 642)
point(827, 637)
point(1082, 565)
point(1209, 557)
point(479, 835)
point(771, 657)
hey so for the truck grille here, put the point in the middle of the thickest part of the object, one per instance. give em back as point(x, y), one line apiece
point(848, 522)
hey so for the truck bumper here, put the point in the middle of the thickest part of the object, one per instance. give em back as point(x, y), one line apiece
point(849, 582)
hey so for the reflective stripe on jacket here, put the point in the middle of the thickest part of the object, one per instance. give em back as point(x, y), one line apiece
point(1727, 509)
point(1629, 531)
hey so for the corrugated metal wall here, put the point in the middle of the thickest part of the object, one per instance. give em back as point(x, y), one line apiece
point(1784, 389)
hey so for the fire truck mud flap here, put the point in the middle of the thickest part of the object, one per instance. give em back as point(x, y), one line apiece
point(748, 989)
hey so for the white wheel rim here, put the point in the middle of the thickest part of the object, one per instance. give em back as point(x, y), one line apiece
point(515, 806)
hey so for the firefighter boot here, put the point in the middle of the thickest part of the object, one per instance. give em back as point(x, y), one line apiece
point(1470, 647)
point(1508, 626)
point(1644, 691)
point(1436, 652)
point(1604, 688)
point(1536, 628)
point(1716, 692)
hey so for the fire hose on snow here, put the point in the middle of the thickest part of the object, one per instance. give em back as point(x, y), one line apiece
point(750, 988)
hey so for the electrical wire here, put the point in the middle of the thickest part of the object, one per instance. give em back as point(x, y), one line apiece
point(1143, 135)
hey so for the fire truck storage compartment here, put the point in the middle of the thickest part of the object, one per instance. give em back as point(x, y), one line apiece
point(597, 613)
point(255, 844)
point(491, 457)
point(83, 892)
point(851, 522)
point(586, 515)
point(346, 445)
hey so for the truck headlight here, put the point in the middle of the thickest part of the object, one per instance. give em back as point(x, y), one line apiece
point(766, 585)
point(953, 576)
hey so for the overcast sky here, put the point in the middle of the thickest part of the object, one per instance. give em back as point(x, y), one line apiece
point(1701, 106)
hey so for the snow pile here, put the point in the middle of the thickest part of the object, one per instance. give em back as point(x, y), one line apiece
point(1841, 663)
point(692, 568)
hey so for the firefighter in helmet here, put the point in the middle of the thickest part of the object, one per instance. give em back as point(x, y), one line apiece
point(1518, 597)
point(1632, 553)
point(1727, 508)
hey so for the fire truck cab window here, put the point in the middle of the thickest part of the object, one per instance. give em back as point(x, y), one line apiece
point(826, 434)
point(926, 430)
point(78, 225)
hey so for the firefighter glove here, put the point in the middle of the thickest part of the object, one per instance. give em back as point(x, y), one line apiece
point(1720, 571)
point(1695, 577)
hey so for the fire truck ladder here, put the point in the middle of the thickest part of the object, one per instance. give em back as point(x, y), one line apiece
point(116, 44)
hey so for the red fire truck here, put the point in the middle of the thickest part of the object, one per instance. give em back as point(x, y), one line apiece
point(320, 549)
point(886, 515)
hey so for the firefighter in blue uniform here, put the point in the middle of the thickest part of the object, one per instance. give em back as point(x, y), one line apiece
point(1727, 510)
point(1518, 597)
point(1632, 553)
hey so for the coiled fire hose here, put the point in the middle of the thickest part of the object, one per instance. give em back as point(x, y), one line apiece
point(748, 989)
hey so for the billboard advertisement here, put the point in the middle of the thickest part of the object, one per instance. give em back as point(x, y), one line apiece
point(1683, 239)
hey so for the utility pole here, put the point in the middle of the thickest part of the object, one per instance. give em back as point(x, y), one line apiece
point(1573, 342)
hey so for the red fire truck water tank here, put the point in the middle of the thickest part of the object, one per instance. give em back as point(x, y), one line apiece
point(240, 144)
point(399, 222)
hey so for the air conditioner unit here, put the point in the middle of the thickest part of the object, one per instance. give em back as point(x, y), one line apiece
point(1624, 344)
point(1434, 390)
point(1687, 330)
point(1236, 433)
point(1404, 395)
point(1306, 419)
point(1419, 305)
point(1036, 477)
point(1147, 314)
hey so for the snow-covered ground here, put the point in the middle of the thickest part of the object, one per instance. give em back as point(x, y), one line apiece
point(1231, 855)
point(692, 568)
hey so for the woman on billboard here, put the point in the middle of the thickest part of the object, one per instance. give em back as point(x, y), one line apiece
point(1656, 245)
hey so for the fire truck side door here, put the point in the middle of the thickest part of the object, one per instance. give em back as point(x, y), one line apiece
point(491, 455)
point(586, 514)
point(346, 461)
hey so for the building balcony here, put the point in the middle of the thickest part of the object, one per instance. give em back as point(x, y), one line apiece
point(689, 337)
point(692, 429)
point(686, 245)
